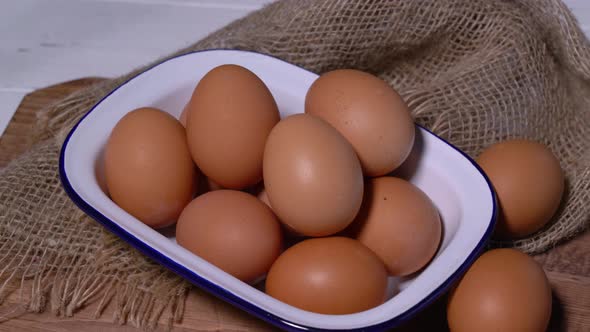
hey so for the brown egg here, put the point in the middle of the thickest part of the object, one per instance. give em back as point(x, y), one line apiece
point(232, 230)
point(399, 223)
point(369, 113)
point(148, 167)
point(504, 290)
point(529, 184)
point(333, 275)
point(312, 176)
point(230, 115)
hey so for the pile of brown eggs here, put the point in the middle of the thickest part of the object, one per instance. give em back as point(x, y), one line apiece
point(307, 202)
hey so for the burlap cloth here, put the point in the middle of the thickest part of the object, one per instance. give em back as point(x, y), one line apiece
point(475, 72)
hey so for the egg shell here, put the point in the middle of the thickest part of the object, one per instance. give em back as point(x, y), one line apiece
point(332, 275)
point(312, 176)
point(230, 115)
point(148, 167)
point(529, 184)
point(399, 223)
point(369, 113)
point(232, 230)
point(504, 290)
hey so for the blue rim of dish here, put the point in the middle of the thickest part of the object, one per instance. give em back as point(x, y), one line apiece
point(226, 295)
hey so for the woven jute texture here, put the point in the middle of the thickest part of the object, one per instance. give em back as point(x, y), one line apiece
point(473, 71)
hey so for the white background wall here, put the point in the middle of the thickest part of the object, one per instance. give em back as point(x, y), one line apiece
point(43, 42)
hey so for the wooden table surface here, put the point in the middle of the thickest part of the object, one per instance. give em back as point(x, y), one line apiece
point(567, 266)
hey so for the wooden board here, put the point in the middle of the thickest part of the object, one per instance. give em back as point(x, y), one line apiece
point(567, 266)
point(16, 138)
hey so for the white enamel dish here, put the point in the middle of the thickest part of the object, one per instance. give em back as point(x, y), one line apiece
point(453, 181)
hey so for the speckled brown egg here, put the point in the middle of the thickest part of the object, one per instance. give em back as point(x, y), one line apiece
point(369, 113)
point(230, 115)
point(232, 230)
point(148, 167)
point(529, 184)
point(399, 223)
point(504, 290)
point(312, 176)
point(332, 275)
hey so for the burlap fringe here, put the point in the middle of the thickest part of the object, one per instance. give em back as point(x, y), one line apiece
point(63, 284)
